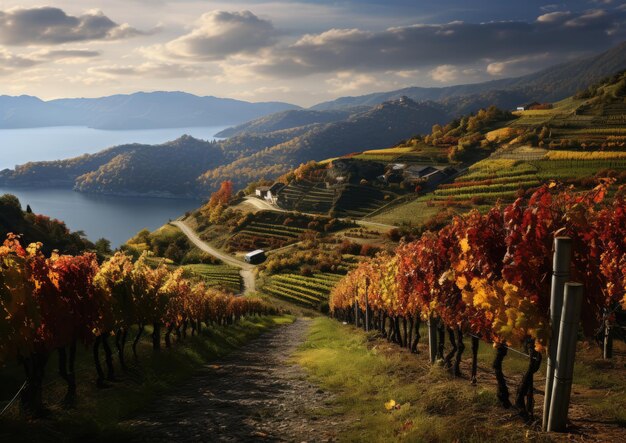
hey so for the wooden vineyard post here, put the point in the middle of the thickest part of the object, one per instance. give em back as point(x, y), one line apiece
point(432, 338)
point(560, 274)
point(356, 313)
point(565, 356)
point(367, 306)
point(607, 341)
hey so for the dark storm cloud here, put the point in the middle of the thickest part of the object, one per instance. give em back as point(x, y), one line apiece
point(458, 43)
point(50, 26)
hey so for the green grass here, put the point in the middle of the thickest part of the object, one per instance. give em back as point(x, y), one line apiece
point(98, 412)
point(365, 372)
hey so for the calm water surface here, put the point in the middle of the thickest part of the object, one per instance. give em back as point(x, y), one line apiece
point(18, 146)
point(115, 218)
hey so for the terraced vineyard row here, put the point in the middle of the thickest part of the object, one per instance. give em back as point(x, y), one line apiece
point(357, 202)
point(306, 291)
point(499, 177)
point(562, 169)
point(307, 196)
point(586, 156)
point(487, 189)
point(490, 169)
point(222, 276)
point(263, 234)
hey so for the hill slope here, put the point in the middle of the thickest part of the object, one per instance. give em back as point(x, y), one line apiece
point(381, 126)
point(190, 167)
point(135, 111)
point(551, 84)
point(287, 120)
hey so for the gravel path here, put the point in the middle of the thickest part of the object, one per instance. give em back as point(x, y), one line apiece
point(254, 394)
point(247, 270)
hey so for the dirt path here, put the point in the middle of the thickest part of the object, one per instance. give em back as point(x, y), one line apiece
point(254, 394)
point(247, 270)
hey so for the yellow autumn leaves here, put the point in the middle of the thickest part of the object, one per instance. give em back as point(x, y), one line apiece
point(512, 314)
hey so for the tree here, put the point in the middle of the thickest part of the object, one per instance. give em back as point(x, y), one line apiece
point(103, 247)
point(174, 253)
point(222, 196)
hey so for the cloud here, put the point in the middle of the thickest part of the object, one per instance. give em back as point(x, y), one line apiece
point(444, 74)
point(554, 17)
point(150, 69)
point(52, 26)
point(520, 65)
point(220, 34)
point(431, 46)
point(10, 62)
point(345, 82)
point(61, 54)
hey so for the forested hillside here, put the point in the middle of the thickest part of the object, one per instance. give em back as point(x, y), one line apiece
point(372, 129)
point(287, 120)
point(190, 167)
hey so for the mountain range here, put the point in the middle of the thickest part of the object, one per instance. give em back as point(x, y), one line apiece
point(275, 142)
point(133, 111)
point(178, 109)
point(547, 85)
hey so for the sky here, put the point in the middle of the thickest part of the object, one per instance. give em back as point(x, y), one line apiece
point(302, 52)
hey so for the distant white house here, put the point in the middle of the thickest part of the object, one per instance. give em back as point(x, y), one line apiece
point(261, 191)
point(521, 108)
point(255, 257)
point(272, 192)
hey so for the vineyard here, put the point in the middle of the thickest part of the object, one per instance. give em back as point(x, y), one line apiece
point(490, 180)
point(506, 172)
point(307, 196)
point(216, 276)
point(358, 201)
point(267, 229)
point(56, 303)
point(307, 291)
point(413, 152)
point(487, 277)
point(345, 200)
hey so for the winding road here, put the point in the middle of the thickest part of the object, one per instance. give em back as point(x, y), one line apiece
point(246, 269)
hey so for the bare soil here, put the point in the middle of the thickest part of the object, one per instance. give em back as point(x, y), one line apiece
point(254, 394)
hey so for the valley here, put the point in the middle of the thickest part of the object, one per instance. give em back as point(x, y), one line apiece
point(437, 264)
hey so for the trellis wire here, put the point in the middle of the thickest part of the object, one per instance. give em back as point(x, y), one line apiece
point(13, 399)
point(508, 347)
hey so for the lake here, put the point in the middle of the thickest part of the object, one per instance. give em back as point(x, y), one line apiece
point(111, 217)
point(114, 218)
point(20, 146)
